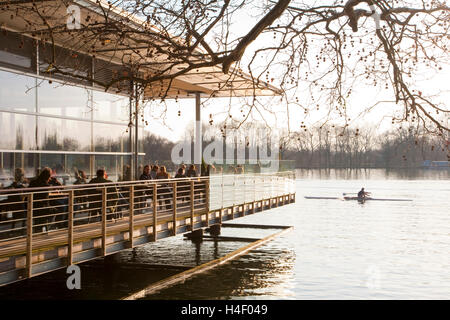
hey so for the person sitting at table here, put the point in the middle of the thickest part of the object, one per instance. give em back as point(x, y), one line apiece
point(80, 177)
point(154, 171)
point(14, 205)
point(164, 191)
point(140, 196)
point(53, 180)
point(183, 187)
point(44, 213)
point(96, 195)
point(146, 173)
point(81, 199)
point(192, 171)
point(60, 203)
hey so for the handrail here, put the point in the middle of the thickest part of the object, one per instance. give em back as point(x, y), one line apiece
point(171, 180)
point(67, 207)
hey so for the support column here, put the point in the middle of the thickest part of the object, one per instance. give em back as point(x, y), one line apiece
point(198, 132)
point(135, 174)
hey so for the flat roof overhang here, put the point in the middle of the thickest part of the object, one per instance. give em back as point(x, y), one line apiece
point(208, 81)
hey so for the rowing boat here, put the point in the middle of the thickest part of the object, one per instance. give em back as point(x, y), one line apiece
point(356, 198)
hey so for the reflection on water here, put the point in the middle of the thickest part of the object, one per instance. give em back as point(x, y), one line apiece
point(264, 273)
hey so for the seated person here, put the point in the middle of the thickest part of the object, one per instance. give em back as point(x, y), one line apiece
point(95, 197)
point(14, 207)
point(362, 194)
point(146, 173)
point(43, 211)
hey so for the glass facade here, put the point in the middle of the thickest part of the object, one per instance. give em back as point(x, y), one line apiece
point(81, 128)
point(63, 100)
point(17, 92)
point(57, 121)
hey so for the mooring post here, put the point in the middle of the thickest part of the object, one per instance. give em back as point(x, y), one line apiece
point(215, 229)
point(196, 235)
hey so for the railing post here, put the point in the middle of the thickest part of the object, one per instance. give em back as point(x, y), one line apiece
point(207, 200)
point(131, 216)
point(70, 230)
point(192, 205)
point(174, 231)
point(29, 261)
point(155, 210)
point(254, 188)
point(104, 203)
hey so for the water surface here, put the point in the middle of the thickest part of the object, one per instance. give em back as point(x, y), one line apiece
point(344, 249)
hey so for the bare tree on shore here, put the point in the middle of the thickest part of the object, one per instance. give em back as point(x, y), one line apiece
point(325, 47)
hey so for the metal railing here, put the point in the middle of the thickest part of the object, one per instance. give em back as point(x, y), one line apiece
point(27, 212)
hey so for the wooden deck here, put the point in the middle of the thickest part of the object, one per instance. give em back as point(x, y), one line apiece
point(141, 222)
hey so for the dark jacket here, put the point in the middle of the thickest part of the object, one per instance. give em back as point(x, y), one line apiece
point(192, 173)
point(145, 177)
point(96, 195)
point(41, 199)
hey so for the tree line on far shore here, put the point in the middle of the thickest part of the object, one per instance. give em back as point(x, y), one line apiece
point(331, 147)
point(328, 146)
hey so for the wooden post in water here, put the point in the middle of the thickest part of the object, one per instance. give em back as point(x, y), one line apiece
point(29, 261)
point(104, 203)
point(131, 217)
point(70, 235)
point(155, 210)
point(174, 231)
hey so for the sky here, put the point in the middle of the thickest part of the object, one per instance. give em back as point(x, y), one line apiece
point(179, 116)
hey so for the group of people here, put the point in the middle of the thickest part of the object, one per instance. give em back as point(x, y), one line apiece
point(160, 172)
point(51, 213)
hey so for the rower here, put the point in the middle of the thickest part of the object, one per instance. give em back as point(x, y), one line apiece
point(362, 194)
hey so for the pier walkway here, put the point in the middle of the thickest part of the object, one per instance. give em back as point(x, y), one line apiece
point(42, 230)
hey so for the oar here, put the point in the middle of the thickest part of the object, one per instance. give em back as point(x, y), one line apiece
point(353, 193)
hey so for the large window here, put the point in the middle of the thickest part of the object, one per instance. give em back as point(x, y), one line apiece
point(109, 107)
point(17, 131)
point(63, 100)
point(50, 124)
point(17, 92)
point(11, 160)
point(110, 138)
point(63, 134)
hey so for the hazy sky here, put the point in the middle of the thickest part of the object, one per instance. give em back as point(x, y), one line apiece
point(363, 96)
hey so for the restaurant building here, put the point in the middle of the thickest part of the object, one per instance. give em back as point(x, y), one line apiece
point(63, 122)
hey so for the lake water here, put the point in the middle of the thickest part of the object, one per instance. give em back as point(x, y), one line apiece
point(337, 250)
point(344, 249)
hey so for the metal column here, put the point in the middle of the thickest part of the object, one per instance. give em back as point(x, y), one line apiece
point(198, 131)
